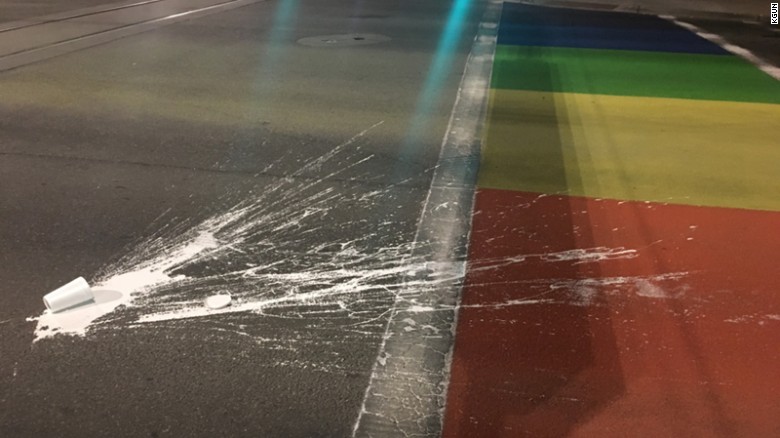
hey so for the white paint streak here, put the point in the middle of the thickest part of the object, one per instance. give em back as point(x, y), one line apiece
point(753, 319)
point(762, 64)
point(590, 255)
point(578, 256)
point(585, 291)
point(333, 283)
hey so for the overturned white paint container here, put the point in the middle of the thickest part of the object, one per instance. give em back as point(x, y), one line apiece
point(75, 293)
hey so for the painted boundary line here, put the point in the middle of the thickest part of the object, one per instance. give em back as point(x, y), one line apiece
point(406, 394)
point(746, 54)
point(30, 56)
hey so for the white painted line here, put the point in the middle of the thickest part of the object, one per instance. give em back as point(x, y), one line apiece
point(746, 54)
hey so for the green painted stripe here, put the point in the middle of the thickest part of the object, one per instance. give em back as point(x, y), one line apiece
point(632, 73)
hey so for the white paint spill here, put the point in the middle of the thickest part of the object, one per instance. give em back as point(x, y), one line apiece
point(257, 253)
point(218, 301)
point(254, 252)
point(645, 288)
point(118, 290)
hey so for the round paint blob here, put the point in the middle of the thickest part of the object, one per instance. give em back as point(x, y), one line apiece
point(218, 301)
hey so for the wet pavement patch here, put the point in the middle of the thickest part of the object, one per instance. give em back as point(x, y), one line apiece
point(343, 40)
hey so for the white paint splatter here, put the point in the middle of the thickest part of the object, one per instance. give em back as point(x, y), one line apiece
point(590, 255)
point(578, 256)
point(586, 291)
point(118, 290)
point(754, 318)
point(259, 252)
point(585, 295)
point(284, 208)
point(645, 288)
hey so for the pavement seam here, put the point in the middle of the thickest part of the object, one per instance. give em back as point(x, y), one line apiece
point(21, 58)
point(68, 15)
point(255, 173)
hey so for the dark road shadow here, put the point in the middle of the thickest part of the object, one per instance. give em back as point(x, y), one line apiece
point(535, 350)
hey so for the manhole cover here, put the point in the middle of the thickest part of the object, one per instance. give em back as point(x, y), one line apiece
point(342, 40)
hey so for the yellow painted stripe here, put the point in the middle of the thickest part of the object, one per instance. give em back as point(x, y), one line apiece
point(694, 152)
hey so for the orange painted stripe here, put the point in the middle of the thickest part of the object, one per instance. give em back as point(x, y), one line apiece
point(610, 318)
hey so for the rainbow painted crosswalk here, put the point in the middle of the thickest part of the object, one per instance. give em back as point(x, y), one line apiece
point(623, 262)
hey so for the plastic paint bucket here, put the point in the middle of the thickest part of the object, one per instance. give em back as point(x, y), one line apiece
point(70, 295)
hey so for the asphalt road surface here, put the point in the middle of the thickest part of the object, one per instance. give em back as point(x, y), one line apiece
point(231, 156)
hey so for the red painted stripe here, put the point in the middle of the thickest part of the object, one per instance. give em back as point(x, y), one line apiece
point(674, 331)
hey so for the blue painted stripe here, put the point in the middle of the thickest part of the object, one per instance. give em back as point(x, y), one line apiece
point(672, 40)
point(526, 25)
point(529, 14)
